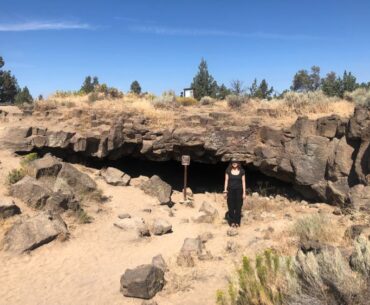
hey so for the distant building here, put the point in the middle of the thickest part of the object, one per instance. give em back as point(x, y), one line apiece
point(188, 92)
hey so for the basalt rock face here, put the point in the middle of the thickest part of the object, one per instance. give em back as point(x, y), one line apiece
point(323, 159)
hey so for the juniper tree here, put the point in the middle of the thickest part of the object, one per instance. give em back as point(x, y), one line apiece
point(331, 84)
point(263, 91)
point(89, 84)
point(203, 83)
point(349, 83)
point(223, 92)
point(304, 81)
point(23, 96)
point(135, 87)
point(8, 85)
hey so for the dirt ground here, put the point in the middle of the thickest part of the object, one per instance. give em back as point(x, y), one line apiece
point(86, 269)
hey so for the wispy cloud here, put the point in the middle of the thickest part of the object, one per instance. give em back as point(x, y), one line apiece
point(42, 26)
point(160, 30)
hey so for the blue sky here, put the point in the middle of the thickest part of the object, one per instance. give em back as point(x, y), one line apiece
point(51, 45)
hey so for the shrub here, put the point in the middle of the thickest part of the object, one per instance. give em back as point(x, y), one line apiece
point(186, 101)
point(93, 97)
point(83, 217)
point(315, 227)
point(266, 281)
point(68, 104)
point(166, 100)
point(303, 102)
point(27, 159)
point(63, 94)
point(360, 258)
point(114, 93)
point(15, 175)
point(322, 278)
point(207, 100)
point(103, 88)
point(235, 101)
point(360, 96)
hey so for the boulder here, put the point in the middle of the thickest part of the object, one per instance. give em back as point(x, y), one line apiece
point(360, 197)
point(206, 236)
point(159, 262)
point(231, 246)
point(47, 166)
point(29, 233)
point(8, 209)
point(156, 187)
point(207, 214)
point(185, 260)
point(71, 180)
point(192, 245)
point(16, 138)
point(142, 282)
point(133, 224)
point(355, 231)
point(310, 159)
point(31, 191)
point(338, 191)
point(137, 182)
point(340, 161)
point(161, 226)
point(60, 202)
point(115, 177)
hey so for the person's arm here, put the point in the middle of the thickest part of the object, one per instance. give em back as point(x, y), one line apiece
point(244, 186)
point(226, 183)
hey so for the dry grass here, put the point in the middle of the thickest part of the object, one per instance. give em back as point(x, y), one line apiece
point(161, 111)
point(360, 96)
point(316, 227)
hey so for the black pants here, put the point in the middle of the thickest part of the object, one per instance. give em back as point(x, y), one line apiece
point(234, 203)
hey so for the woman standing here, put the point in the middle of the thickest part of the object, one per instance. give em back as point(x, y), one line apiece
point(235, 191)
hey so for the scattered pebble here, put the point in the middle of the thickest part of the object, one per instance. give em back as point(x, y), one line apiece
point(124, 216)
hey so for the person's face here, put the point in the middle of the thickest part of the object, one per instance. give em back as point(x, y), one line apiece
point(234, 165)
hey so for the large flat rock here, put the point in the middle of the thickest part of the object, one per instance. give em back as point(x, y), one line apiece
point(29, 233)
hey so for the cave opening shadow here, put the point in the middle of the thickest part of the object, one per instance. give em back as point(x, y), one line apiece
point(202, 177)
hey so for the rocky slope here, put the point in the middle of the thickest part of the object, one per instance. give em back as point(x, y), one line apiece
point(327, 159)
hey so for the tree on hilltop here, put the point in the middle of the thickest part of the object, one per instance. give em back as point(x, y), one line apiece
point(237, 87)
point(23, 96)
point(304, 81)
point(89, 84)
point(223, 92)
point(8, 85)
point(203, 83)
point(262, 91)
point(135, 87)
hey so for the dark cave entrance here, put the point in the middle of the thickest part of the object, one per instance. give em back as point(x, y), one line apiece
point(202, 177)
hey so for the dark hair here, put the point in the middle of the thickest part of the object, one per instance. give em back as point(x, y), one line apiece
point(229, 167)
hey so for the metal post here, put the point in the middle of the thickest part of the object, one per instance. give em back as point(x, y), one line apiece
point(185, 180)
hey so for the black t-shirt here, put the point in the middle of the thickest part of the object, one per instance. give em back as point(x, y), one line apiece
point(235, 181)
